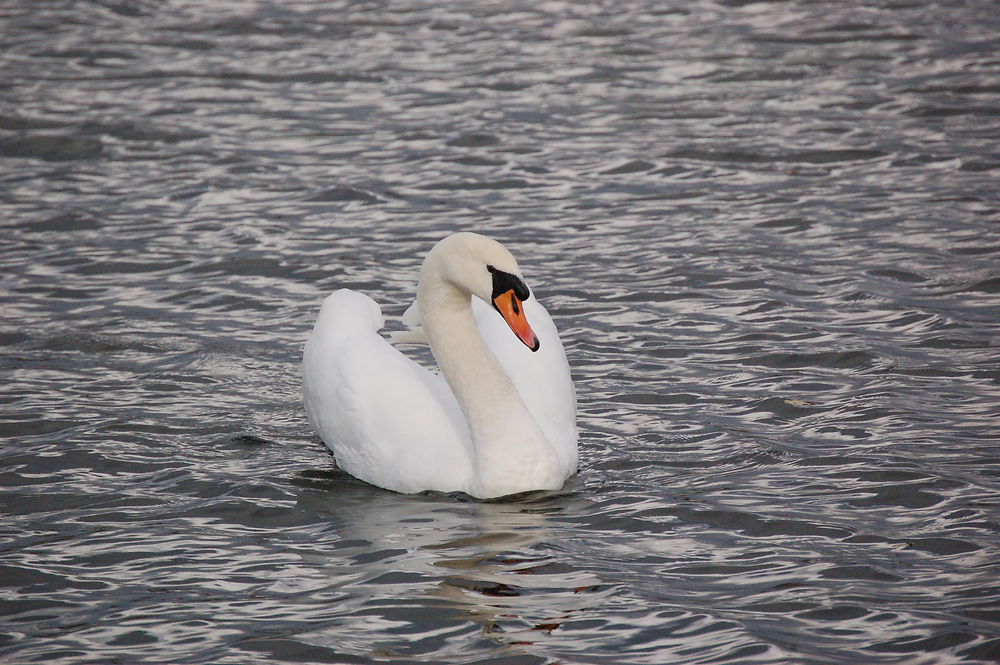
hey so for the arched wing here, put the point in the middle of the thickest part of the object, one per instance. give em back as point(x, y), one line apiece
point(542, 377)
point(388, 421)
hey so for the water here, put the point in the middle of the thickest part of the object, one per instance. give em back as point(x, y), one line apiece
point(767, 231)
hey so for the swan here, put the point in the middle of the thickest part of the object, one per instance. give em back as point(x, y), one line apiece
point(499, 418)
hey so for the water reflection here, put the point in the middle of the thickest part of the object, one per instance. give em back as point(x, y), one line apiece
point(426, 564)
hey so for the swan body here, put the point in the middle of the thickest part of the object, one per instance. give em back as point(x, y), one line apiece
point(500, 416)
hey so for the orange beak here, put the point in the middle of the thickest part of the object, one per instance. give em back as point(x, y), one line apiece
point(512, 311)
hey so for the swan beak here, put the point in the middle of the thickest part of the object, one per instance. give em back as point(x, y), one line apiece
point(512, 311)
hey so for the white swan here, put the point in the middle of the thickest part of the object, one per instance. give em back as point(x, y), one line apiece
point(503, 418)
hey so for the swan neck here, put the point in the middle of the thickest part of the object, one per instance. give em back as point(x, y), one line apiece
point(510, 452)
point(475, 376)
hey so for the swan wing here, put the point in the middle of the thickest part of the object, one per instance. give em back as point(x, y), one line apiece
point(541, 377)
point(388, 421)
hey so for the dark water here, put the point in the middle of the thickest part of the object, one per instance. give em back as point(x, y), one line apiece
point(769, 234)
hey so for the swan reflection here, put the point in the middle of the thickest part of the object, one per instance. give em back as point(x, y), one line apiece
point(434, 567)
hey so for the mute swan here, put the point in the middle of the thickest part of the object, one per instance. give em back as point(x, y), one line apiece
point(502, 419)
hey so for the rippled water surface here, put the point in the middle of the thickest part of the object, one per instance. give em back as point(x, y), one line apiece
point(768, 232)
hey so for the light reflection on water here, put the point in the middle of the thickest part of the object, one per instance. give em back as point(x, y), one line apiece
point(767, 232)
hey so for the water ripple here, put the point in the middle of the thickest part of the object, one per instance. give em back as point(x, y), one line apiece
point(766, 231)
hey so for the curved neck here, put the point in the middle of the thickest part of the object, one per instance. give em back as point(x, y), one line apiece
point(509, 448)
point(467, 364)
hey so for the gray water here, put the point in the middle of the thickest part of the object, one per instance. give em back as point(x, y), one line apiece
point(767, 231)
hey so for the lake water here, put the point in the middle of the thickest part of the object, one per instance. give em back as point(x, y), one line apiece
point(768, 231)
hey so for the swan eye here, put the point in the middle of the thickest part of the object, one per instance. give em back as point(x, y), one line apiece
point(504, 281)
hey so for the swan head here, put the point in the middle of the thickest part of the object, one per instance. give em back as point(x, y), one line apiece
point(482, 267)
